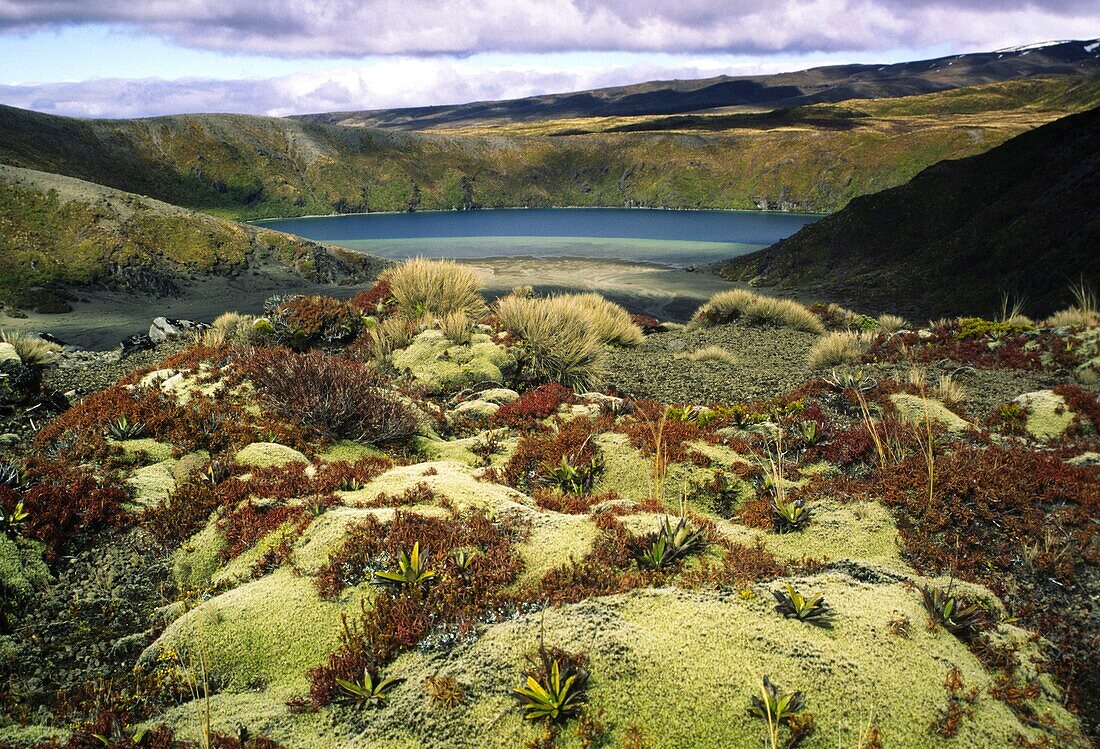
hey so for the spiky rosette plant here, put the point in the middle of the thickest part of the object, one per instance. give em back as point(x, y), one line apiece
point(812, 610)
point(412, 570)
point(670, 544)
point(958, 616)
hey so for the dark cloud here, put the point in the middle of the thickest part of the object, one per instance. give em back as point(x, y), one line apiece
point(459, 27)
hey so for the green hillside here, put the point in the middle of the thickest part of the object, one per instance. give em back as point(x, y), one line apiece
point(57, 231)
point(251, 167)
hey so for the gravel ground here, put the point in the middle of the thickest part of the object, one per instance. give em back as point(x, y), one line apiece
point(772, 361)
point(87, 372)
point(769, 361)
point(92, 623)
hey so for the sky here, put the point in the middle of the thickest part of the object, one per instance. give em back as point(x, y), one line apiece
point(131, 58)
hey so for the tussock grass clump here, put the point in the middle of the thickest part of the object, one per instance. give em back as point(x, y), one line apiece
point(438, 288)
point(836, 348)
point(232, 328)
point(890, 323)
point(383, 339)
point(709, 353)
point(1085, 312)
point(609, 321)
point(836, 317)
point(457, 326)
point(34, 351)
point(237, 328)
point(558, 342)
point(949, 390)
point(735, 304)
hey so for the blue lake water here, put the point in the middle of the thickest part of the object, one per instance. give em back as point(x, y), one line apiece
point(673, 238)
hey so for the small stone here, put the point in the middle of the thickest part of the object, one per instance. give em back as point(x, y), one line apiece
point(500, 396)
point(166, 329)
point(1048, 417)
point(475, 409)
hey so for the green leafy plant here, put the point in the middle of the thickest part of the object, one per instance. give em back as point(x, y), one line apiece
point(791, 514)
point(12, 520)
point(670, 544)
point(412, 570)
point(810, 433)
point(774, 707)
point(121, 735)
point(858, 381)
point(781, 709)
point(316, 506)
point(123, 429)
point(370, 691)
point(794, 605)
point(462, 560)
point(958, 616)
point(574, 479)
point(351, 484)
point(217, 472)
point(557, 695)
point(689, 414)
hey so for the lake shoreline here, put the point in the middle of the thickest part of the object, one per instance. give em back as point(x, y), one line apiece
point(261, 221)
point(101, 319)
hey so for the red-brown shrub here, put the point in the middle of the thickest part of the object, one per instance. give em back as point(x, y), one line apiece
point(334, 397)
point(536, 454)
point(304, 321)
point(65, 500)
point(1023, 524)
point(182, 514)
point(250, 522)
point(540, 403)
point(674, 435)
point(377, 300)
point(1083, 403)
point(647, 323)
point(399, 619)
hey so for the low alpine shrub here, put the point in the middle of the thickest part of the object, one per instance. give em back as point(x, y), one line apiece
point(337, 398)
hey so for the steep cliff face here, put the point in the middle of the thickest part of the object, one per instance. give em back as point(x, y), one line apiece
point(1019, 219)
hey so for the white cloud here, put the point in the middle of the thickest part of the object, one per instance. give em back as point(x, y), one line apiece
point(356, 28)
point(391, 82)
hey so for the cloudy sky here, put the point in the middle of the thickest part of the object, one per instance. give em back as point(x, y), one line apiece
point(125, 58)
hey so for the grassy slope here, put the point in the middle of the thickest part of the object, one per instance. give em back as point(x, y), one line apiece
point(924, 246)
point(58, 230)
point(249, 167)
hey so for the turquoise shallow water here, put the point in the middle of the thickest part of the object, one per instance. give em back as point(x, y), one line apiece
point(674, 238)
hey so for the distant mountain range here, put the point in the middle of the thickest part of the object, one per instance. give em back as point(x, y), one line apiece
point(829, 84)
point(1021, 219)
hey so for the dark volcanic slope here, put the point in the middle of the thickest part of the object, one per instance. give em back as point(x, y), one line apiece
point(1022, 218)
point(826, 84)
